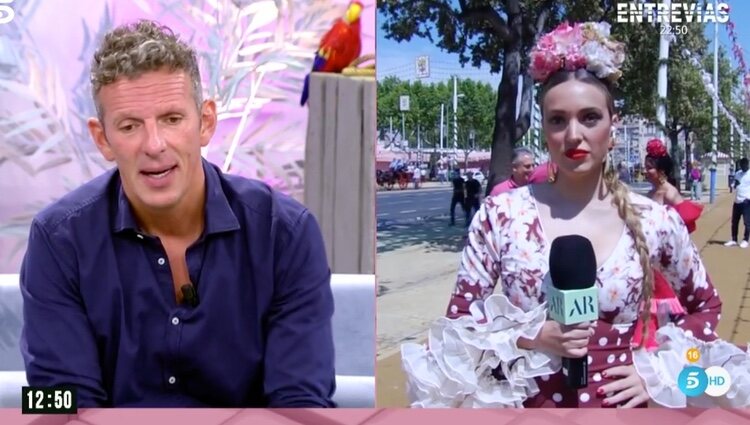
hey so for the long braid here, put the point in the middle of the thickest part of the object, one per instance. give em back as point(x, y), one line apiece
point(621, 200)
point(620, 192)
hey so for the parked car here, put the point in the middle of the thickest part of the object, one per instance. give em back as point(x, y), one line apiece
point(478, 176)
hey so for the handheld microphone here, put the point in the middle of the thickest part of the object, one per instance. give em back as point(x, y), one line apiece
point(572, 296)
point(189, 294)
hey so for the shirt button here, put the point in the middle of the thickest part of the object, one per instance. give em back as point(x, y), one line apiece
point(175, 321)
point(172, 380)
point(161, 261)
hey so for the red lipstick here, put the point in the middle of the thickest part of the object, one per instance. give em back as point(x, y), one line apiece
point(576, 154)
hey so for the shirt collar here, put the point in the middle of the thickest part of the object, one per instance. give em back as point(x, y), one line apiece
point(219, 214)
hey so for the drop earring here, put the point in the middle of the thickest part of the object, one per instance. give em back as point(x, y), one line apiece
point(551, 172)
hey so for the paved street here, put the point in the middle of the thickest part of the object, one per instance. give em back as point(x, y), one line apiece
point(418, 260)
point(410, 204)
point(410, 217)
point(421, 217)
point(402, 207)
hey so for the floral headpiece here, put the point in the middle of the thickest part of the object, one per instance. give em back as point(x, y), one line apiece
point(655, 148)
point(583, 45)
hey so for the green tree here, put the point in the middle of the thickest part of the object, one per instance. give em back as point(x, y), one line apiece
point(389, 90)
point(501, 34)
point(423, 117)
point(687, 104)
point(737, 107)
point(699, 117)
point(493, 32)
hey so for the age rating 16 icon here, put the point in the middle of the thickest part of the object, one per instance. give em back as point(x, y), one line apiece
point(694, 381)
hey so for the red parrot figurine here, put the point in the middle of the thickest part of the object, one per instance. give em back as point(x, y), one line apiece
point(339, 47)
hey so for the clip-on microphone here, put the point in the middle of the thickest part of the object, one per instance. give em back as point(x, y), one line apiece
point(189, 295)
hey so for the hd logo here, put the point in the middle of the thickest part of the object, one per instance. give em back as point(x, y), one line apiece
point(694, 381)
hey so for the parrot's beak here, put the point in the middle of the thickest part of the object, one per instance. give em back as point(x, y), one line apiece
point(353, 12)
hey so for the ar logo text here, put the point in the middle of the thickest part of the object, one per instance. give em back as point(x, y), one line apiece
point(581, 306)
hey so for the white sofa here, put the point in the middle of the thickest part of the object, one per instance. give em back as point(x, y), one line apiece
point(354, 339)
point(353, 331)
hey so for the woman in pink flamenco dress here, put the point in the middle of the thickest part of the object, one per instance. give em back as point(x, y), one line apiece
point(665, 305)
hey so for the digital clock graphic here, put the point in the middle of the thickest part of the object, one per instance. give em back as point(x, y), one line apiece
point(51, 400)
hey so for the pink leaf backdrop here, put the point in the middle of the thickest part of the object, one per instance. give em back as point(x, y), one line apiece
point(253, 56)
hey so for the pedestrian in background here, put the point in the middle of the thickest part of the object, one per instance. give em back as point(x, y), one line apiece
point(459, 195)
point(473, 190)
point(696, 182)
point(522, 172)
point(741, 207)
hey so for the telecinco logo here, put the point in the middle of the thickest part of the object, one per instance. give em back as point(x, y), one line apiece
point(6, 12)
point(694, 381)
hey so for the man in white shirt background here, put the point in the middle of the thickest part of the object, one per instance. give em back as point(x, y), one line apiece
point(417, 176)
point(741, 207)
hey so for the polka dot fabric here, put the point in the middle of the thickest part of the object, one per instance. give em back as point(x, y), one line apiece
point(552, 389)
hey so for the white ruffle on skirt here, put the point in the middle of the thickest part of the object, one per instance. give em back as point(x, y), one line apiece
point(455, 368)
point(661, 368)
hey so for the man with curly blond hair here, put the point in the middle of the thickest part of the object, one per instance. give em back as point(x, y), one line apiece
point(165, 282)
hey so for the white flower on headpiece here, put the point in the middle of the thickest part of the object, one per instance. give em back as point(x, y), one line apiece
point(597, 58)
point(601, 61)
point(601, 28)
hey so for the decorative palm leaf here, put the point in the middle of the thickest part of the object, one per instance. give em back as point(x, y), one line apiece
point(254, 55)
point(254, 58)
point(42, 125)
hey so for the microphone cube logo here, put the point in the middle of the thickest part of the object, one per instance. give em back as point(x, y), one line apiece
point(6, 12)
point(573, 306)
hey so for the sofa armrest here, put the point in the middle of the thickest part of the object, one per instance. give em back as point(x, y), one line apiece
point(355, 391)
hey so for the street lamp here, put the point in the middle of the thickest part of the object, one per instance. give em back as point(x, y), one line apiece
point(456, 95)
point(455, 119)
point(715, 116)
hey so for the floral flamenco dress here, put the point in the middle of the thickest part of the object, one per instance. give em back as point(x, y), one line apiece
point(471, 358)
point(665, 306)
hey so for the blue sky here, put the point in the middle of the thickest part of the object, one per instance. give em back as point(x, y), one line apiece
point(398, 58)
point(739, 13)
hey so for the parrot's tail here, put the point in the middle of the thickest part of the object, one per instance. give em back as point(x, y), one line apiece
point(305, 91)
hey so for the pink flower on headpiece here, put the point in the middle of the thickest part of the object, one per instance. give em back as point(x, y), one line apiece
point(574, 58)
point(566, 37)
point(544, 63)
point(655, 148)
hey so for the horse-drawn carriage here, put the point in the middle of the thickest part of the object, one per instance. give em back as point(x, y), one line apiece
point(392, 177)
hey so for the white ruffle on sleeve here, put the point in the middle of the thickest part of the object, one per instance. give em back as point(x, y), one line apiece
point(661, 368)
point(455, 368)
